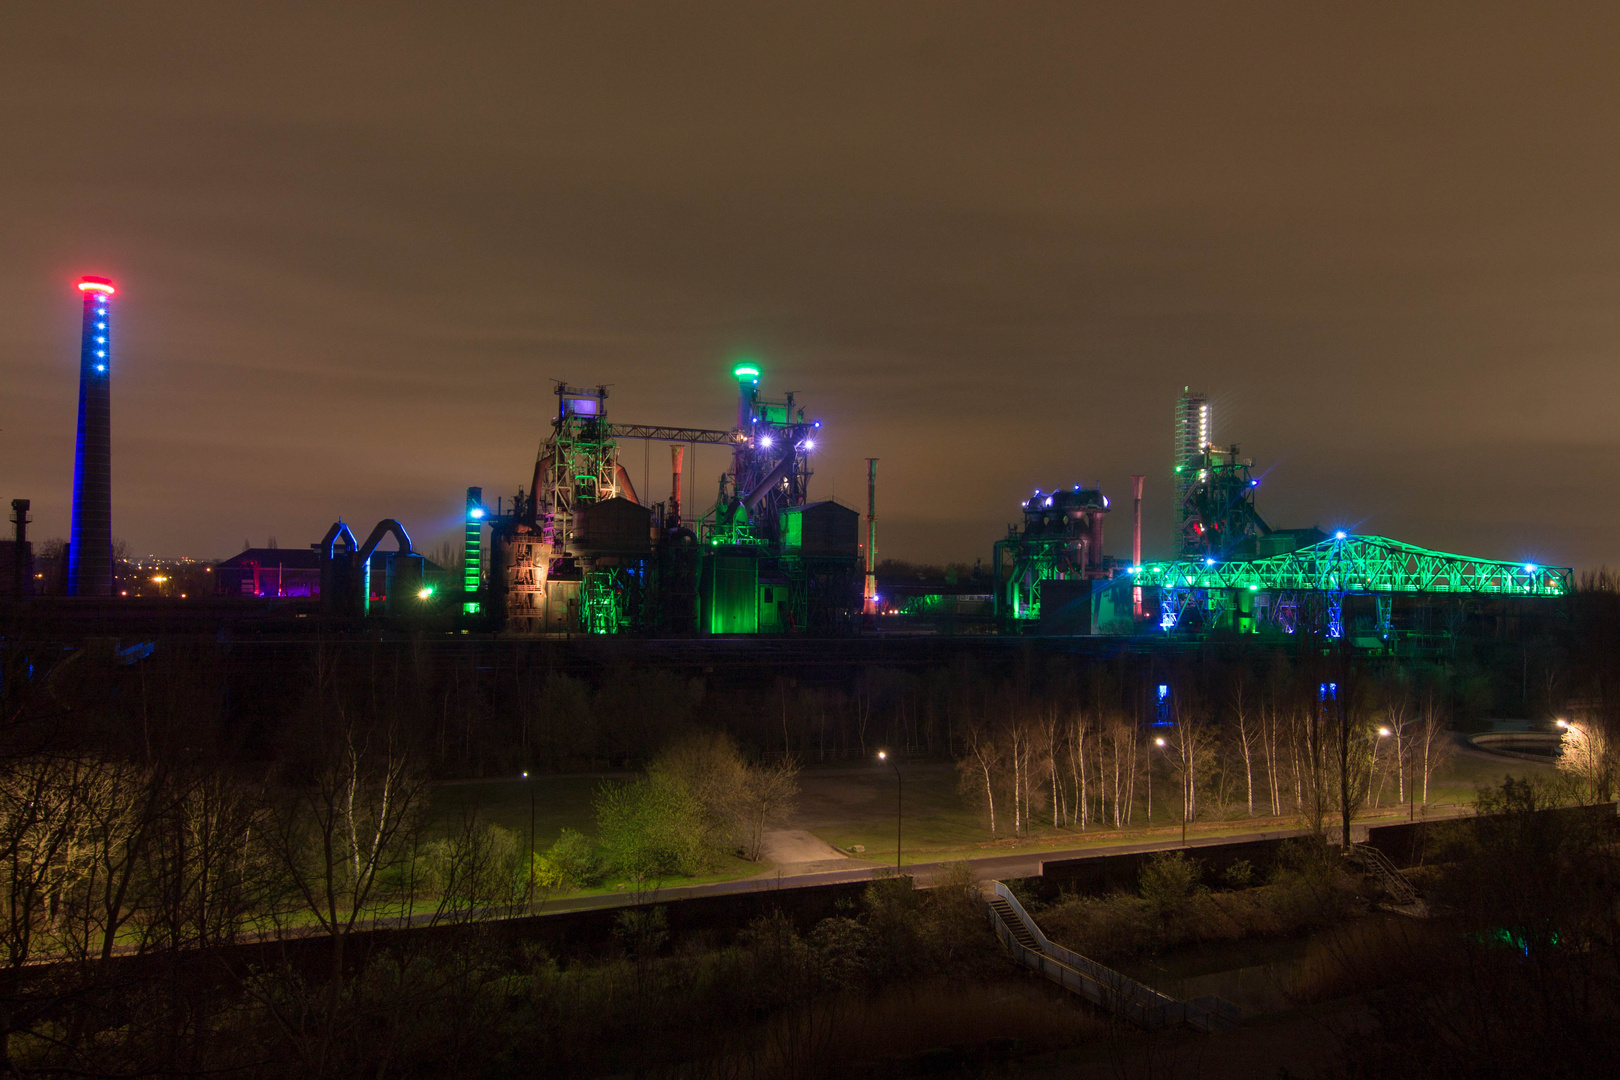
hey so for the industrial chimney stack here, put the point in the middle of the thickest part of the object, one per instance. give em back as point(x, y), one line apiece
point(90, 562)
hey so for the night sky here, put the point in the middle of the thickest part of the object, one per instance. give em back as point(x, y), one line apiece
point(987, 244)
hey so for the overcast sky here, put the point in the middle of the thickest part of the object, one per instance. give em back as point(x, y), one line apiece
point(987, 244)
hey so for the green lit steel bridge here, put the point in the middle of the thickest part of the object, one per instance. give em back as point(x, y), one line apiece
point(1286, 589)
point(1359, 564)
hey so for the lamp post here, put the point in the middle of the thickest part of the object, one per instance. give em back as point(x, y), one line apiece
point(1160, 744)
point(1383, 733)
point(899, 796)
point(530, 785)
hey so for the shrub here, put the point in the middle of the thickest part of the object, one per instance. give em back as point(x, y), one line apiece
point(1240, 875)
point(1168, 881)
point(654, 828)
point(570, 863)
point(642, 931)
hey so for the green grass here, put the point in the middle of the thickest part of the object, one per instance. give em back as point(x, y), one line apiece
point(560, 802)
point(851, 805)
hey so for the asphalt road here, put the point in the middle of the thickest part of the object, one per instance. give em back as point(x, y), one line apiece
point(1021, 864)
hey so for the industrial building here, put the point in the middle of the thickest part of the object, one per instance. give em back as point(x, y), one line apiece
point(1235, 573)
point(580, 551)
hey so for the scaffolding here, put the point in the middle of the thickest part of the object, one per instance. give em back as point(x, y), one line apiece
point(579, 463)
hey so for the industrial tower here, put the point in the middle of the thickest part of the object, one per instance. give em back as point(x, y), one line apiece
point(1192, 433)
point(90, 561)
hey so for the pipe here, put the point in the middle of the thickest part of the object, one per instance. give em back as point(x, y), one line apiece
point(1136, 520)
point(627, 490)
point(21, 567)
point(329, 542)
point(871, 604)
point(384, 527)
point(676, 453)
point(783, 470)
point(1136, 543)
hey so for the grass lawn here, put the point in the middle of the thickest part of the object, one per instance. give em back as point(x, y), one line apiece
point(849, 805)
point(560, 802)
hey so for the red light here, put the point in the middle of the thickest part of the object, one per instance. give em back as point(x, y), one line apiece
point(96, 284)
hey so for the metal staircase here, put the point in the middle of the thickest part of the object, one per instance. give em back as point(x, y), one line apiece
point(1388, 874)
point(1102, 986)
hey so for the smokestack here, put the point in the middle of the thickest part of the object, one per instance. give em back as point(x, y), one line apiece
point(1136, 540)
point(1136, 521)
point(90, 562)
point(871, 596)
point(676, 452)
point(22, 567)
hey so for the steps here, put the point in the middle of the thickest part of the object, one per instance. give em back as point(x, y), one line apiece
point(1111, 990)
point(1015, 925)
point(1388, 874)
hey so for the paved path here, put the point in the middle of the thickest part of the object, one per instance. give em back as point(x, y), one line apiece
point(1019, 864)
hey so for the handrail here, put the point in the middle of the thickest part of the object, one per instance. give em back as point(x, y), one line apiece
point(1386, 872)
point(1103, 986)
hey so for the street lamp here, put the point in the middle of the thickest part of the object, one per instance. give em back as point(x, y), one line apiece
point(1160, 744)
point(899, 795)
point(530, 785)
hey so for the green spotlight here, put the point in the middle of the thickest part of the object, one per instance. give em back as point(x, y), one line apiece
point(746, 371)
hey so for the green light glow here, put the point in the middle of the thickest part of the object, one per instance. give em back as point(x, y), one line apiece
point(745, 371)
point(1361, 564)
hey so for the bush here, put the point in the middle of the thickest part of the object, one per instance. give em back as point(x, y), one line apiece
point(1240, 875)
point(570, 863)
point(655, 828)
point(475, 868)
point(1168, 881)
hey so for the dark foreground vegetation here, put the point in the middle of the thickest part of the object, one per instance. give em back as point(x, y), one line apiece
point(196, 854)
point(1517, 972)
point(899, 973)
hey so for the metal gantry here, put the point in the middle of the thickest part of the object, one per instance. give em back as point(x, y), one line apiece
point(1360, 564)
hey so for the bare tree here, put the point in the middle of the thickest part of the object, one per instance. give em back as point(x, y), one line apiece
point(979, 765)
point(1248, 734)
point(337, 833)
point(1432, 747)
point(1191, 744)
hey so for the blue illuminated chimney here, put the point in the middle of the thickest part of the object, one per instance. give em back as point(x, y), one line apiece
point(90, 561)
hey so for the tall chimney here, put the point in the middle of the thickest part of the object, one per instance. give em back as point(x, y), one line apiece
point(1136, 541)
point(22, 566)
point(90, 562)
point(871, 597)
point(676, 452)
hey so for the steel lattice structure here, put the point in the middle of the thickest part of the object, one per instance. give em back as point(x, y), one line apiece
point(673, 434)
point(1360, 564)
